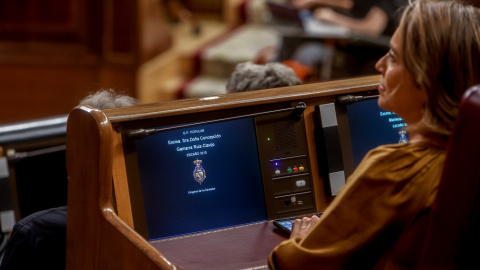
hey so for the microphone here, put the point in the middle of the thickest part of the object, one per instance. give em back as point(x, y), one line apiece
point(298, 111)
point(140, 133)
point(349, 99)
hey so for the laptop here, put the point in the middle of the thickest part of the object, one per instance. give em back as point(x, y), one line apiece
point(289, 19)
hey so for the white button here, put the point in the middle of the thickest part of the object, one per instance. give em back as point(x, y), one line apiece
point(301, 183)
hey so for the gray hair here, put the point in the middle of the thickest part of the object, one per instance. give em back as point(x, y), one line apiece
point(108, 99)
point(248, 76)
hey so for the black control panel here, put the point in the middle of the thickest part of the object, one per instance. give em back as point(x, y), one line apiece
point(285, 164)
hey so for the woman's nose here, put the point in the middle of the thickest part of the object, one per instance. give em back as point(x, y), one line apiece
point(380, 65)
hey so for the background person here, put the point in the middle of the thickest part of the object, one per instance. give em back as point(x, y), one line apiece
point(369, 17)
point(39, 239)
point(249, 76)
point(374, 21)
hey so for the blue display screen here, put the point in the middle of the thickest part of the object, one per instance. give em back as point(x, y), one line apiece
point(200, 178)
point(370, 126)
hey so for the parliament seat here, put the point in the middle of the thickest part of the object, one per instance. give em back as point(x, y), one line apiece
point(33, 176)
point(452, 239)
point(101, 227)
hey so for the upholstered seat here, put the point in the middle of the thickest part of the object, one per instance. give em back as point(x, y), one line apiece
point(453, 235)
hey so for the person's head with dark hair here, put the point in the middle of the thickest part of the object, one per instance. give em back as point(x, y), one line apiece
point(249, 76)
point(108, 99)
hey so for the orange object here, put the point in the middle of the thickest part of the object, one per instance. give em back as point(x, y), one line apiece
point(300, 69)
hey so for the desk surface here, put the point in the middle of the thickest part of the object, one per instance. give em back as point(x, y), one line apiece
point(241, 247)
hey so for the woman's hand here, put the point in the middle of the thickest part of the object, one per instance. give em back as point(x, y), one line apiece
point(301, 227)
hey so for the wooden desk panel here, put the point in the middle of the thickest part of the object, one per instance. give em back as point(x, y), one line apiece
point(100, 234)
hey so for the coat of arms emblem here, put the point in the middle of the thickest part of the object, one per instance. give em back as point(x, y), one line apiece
point(199, 172)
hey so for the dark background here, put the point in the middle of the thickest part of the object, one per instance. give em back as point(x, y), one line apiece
point(368, 129)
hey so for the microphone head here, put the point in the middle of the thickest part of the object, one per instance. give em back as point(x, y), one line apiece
point(348, 99)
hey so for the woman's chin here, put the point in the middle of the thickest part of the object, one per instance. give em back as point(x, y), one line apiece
point(381, 103)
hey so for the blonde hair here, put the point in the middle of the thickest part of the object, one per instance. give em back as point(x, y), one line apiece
point(441, 45)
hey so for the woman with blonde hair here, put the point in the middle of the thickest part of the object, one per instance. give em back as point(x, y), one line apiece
point(434, 58)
